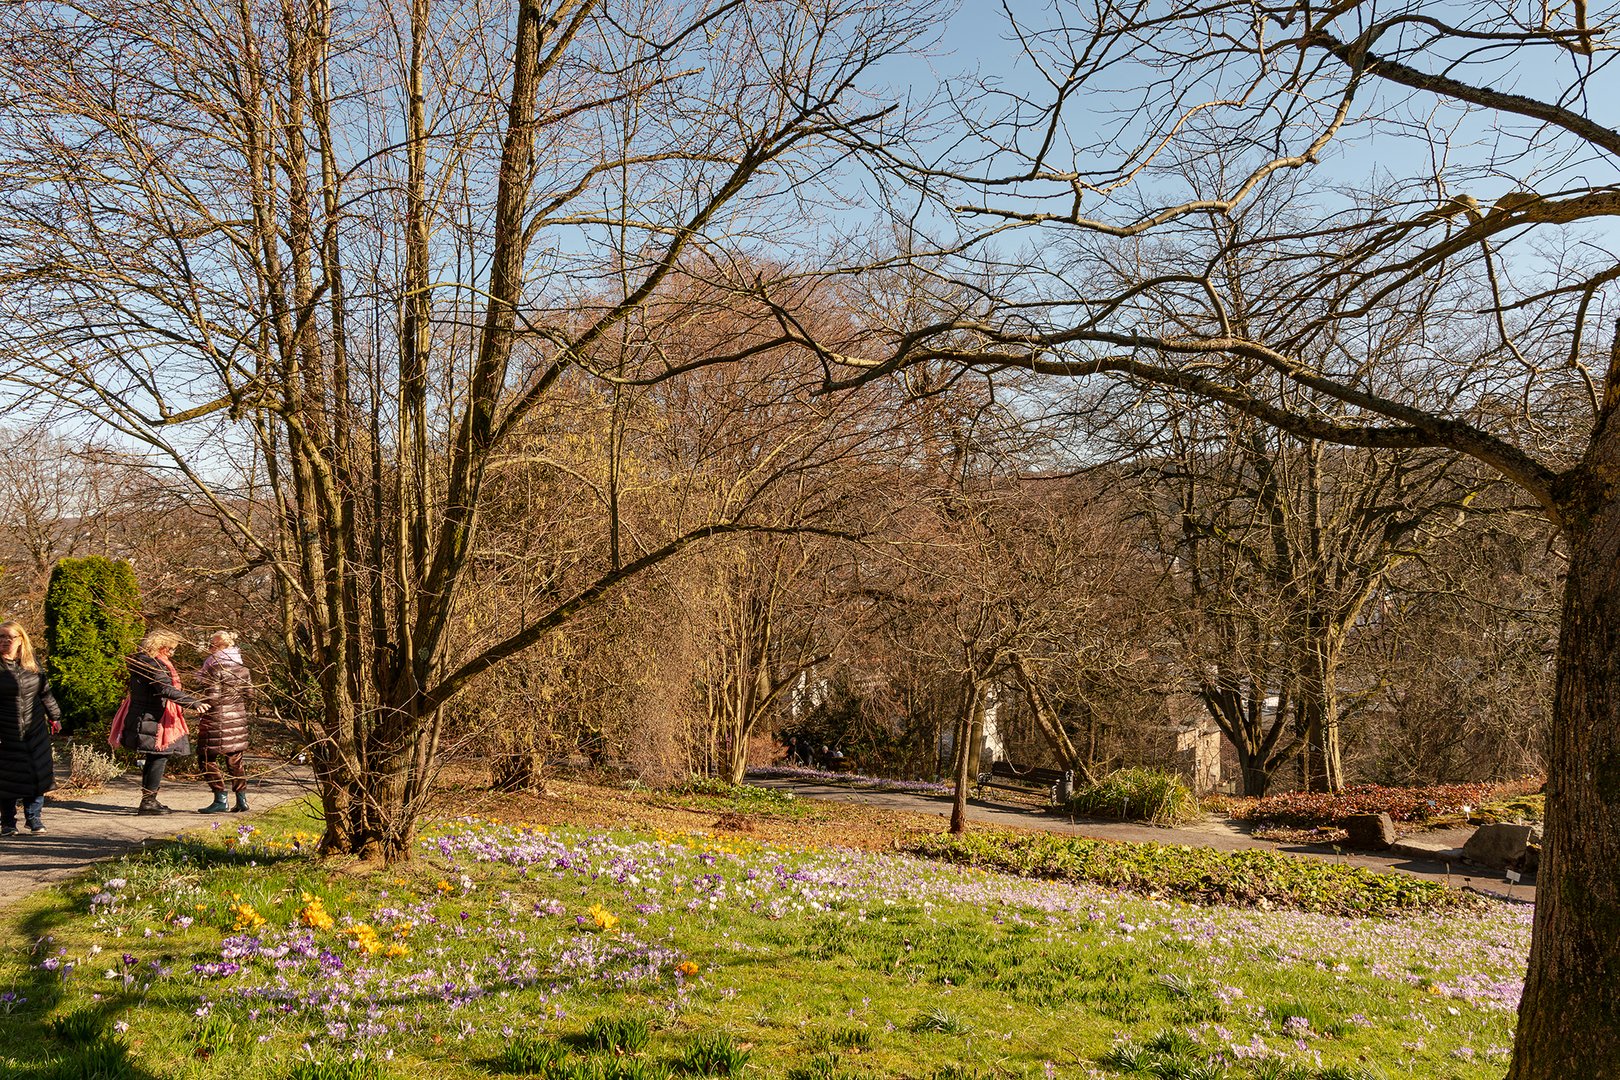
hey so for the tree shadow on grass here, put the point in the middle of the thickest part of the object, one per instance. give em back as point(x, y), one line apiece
point(79, 1044)
point(202, 855)
point(38, 1040)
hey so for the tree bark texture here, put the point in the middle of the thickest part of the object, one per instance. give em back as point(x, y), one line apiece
point(1569, 1018)
point(1242, 719)
point(959, 794)
point(1318, 697)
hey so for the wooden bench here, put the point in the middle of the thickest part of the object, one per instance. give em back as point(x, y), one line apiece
point(1004, 774)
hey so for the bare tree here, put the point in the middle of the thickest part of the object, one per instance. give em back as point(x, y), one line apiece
point(60, 498)
point(1277, 546)
point(1082, 619)
point(753, 435)
point(764, 637)
point(1487, 221)
point(362, 244)
point(1462, 645)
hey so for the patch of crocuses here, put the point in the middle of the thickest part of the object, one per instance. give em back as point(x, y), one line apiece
point(846, 779)
point(524, 922)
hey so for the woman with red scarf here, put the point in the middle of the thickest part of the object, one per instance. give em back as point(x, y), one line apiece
point(153, 722)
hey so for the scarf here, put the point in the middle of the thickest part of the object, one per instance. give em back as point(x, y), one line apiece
point(173, 725)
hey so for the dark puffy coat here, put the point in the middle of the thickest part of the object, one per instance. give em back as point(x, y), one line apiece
point(150, 685)
point(227, 688)
point(27, 710)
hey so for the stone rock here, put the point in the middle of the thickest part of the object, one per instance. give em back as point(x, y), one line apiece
point(1500, 846)
point(1531, 861)
point(1369, 832)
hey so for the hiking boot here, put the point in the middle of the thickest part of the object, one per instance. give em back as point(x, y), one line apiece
point(217, 806)
point(150, 806)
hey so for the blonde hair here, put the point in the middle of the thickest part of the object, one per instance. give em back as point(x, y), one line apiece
point(25, 655)
point(223, 638)
point(159, 639)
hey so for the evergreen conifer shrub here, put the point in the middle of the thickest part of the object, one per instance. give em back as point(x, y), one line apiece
point(92, 622)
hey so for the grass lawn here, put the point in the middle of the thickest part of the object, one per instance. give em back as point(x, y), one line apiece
point(572, 950)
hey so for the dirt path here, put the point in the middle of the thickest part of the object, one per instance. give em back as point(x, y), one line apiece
point(82, 828)
point(1432, 856)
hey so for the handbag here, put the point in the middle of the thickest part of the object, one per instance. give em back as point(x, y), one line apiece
point(171, 726)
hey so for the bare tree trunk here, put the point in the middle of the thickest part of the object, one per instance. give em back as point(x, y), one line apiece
point(1046, 719)
point(960, 793)
point(1569, 1017)
point(1254, 777)
point(1242, 720)
point(1319, 714)
point(972, 721)
point(976, 734)
point(759, 697)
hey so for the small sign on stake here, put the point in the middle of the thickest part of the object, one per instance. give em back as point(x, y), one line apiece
point(1513, 877)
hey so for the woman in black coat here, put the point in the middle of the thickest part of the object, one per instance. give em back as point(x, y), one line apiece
point(154, 686)
point(28, 718)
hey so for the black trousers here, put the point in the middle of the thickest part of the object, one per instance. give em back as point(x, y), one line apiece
point(152, 773)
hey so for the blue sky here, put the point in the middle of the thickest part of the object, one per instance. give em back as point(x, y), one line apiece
point(977, 37)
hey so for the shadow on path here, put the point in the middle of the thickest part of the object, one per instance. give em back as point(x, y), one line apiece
point(82, 828)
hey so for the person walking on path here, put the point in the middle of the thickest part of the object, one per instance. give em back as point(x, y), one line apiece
point(225, 685)
point(28, 718)
point(153, 722)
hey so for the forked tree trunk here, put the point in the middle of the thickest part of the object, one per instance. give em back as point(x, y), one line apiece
point(1242, 721)
point(1254, 776)
point(1323, 760)
point(1569, 1019)
point(372, 790)
point(738, 732)
point(1254, 769)
point(1046, 719)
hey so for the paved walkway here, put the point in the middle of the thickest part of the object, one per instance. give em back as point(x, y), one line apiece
point(1435, 856)
point(85, 827)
